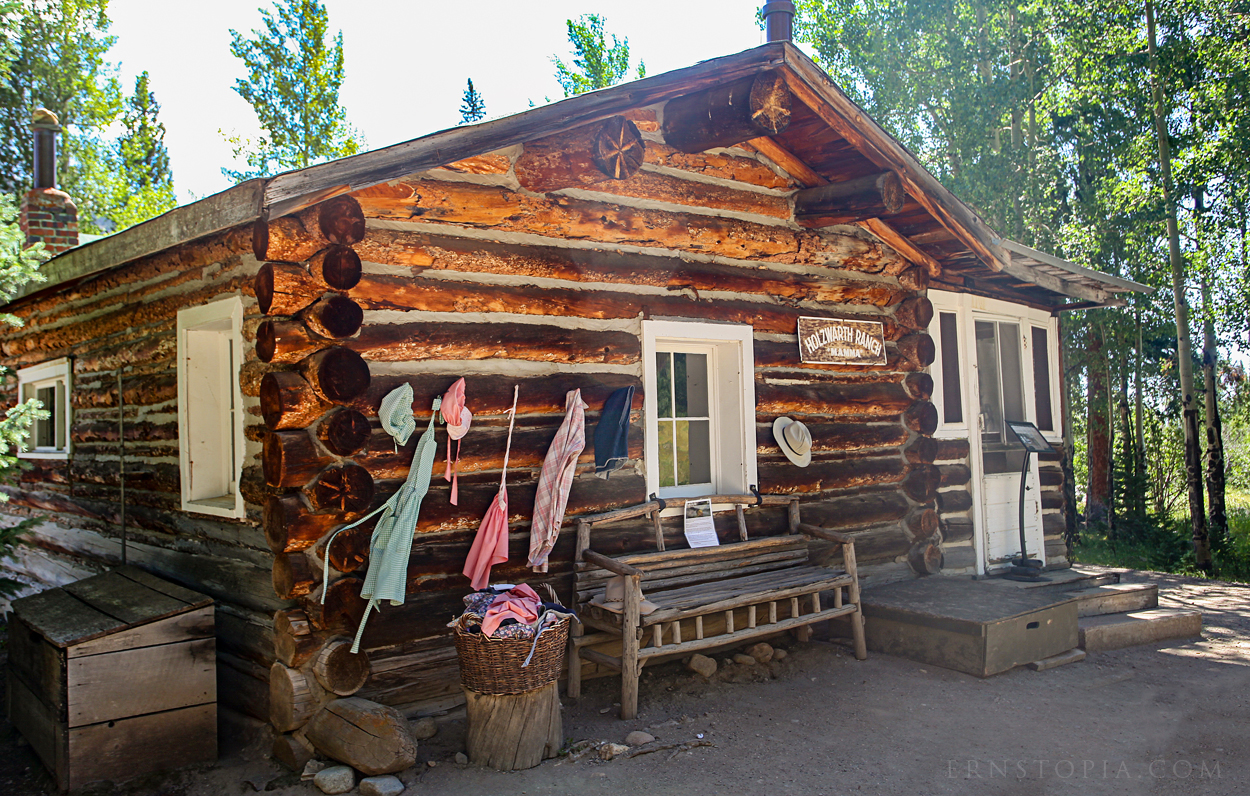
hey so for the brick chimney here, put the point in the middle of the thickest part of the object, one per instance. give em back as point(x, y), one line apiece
point(48, 215)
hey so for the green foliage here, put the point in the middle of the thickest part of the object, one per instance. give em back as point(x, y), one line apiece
point(294, 74)
point(472, 106)
point(18, 265)
point(596, 64)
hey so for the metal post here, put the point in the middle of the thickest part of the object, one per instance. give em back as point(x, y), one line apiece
point(121, 459)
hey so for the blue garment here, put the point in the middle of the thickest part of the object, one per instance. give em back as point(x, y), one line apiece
point(612, 433)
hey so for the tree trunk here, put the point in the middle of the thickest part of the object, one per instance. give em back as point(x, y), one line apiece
point(1098, 447)
point(1184, 350)
point(510, 732)
point(1215, 426)
point(1139, 460)
point(1070, 533)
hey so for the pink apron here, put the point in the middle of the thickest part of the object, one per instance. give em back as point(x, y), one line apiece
point(490, 546)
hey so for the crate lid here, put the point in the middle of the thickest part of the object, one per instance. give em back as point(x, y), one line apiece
point(99, 606)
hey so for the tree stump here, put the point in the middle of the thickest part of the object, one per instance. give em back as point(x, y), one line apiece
point(509, 732)
point(371, 738)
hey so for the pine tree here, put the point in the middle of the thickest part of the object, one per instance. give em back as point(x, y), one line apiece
point(596, 65)
point(472, 106)
point(294, 74)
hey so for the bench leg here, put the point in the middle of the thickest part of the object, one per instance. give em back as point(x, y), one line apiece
point(857, 633)
point(629, 648)
point(574, 688)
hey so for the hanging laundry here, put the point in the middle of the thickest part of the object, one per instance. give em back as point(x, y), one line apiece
point(612, 433)
point(391, 543)
point(458, 418)
point(490, 546)
point(556, 480)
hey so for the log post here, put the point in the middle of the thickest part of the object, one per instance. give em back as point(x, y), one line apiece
point(293, 575)
point(284, 288)
point(337, 374)
point(925, 557)
point(282, 342)
point(290, 458)
point(336, 268)
point(510, 732)
point(915, 313)
point(299, 236)
point(726, 115)
point(372, 738)
point(851, 200)
point(290, 526)
point(347, 489)
point(344, 432)
point(293, 698)
point(340, 671)
point(608, 150)
point(334, 316)
point(288, 401)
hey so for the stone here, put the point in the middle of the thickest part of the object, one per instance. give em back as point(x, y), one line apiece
point(335, 779)
point(381, 786)
point(762, 653)
point(462, 759)
point(423, 729)
point(611, 750)
point(727, 662)
point(779, 654)
point(702, 664)
point(311, 768)
point(638, 738)
point(745, 660)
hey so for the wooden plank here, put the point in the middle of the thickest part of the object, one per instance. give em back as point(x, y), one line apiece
point(122, 749)
point(125, 599)
point(37, 724)
point(137, 681)
point(171, 630)
point(39, 664)
point(192, 598)
point(62, 619)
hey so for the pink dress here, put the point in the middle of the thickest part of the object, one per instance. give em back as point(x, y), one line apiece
point(556, 480)
point(490, 546)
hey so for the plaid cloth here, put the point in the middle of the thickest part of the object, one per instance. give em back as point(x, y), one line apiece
point(556, 480)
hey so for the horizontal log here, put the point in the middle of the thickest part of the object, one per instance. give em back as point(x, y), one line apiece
point(334, 316)
point(336, 268)
point(290, 458)
point(785, 355)
point(369, 737)
point(293, 698)
point(951, 450)
point(609, 150)
point(921, 483)
point(1052, 500)
point(291, 526)
point(338, 669)
point(863, 399)
point(292, 622)
point(837, 437)
point(848, 512)
point(916, 278)
point(138, 390)
point(283, 341)
point(787, 479)
point(729, 114)
point(848, 201)
point(344, 432)
point(957, 529)
point(408, 342)
point(954, 501)
point(1050, 476)
point(721, 165)
point(674, 190)
point(346, 489)
point(915, 313)
point(284, 288)
point(297, 237)
point(955, 474)
point(921, 417)
point(293, 575)
point(288, 401)
point(918, 348)
point(342, 609)
point(492, 394)
point(294, 651)
point(336, 374)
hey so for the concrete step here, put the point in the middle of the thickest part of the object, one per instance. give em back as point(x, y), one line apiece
point(1116, 598)
point(1114, 631)
point(1062, 580)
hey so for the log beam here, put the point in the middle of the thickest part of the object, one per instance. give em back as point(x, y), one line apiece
point(293, 576)
point(297, 237)
point(726, 115)
point(284, 288)
point(288, 401)
point(280, 341)
point(592, 153)
point(925, 557)
point(849, 201)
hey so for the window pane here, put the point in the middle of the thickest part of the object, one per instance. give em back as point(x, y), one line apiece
point(952, 395)
point(667, 455)
point(1013, 389)
point(664, 384)
point(45, 430)
point(694, 452)
point(690, 382)
point(61, 430)
point(987, 380)
point(1041, 380)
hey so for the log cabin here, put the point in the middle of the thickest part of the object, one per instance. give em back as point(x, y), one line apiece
point(213, 375)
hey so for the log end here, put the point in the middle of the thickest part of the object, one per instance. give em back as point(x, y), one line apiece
point(619, 149)
point(263, 284)
point(346, 489)
point(344, 432)
point(338, 267)
point(925, 557)
point(770, 103)
point(338, 374)
point(342, 220)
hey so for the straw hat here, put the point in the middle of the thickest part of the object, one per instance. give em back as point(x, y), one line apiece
point(613, 598)
point(795, 440)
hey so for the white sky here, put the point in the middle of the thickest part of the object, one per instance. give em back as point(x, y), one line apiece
point(406, 62)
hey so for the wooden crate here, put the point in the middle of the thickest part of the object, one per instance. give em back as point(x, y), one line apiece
point(114, 676)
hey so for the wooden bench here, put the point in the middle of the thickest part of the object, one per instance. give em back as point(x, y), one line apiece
point(707, 597)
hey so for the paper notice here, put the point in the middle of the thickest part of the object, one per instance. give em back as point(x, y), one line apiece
point(700, 529)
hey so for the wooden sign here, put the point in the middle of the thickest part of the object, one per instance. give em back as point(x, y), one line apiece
point(833, 341)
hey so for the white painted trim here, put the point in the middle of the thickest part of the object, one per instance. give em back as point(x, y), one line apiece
point(51, 370)
point(225, 316)
point(735, 360)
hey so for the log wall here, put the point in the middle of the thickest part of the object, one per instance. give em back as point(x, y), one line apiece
point(125, 320)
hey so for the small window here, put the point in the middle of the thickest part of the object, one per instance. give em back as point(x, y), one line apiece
point(1041, 379)
point(700, 408)
point(48, 383)
point(210, 423)
point(952, 397)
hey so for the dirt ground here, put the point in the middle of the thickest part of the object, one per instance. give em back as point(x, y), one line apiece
point(1169, 718)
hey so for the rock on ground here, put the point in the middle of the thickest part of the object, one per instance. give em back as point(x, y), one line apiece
point(762, 653)
point(745, 660)
point(780, 654)
point(423, 729)
point(638, 738)
point(611, 750)
point(462, 759)
point(335, 779)
point(381, 786)
point(702, 664)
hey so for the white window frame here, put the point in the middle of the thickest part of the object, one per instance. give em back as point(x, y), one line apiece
point(224, 317)
point(731, 379)
point(42, 375)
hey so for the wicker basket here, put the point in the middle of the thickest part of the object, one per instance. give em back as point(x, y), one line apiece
point(495, 665)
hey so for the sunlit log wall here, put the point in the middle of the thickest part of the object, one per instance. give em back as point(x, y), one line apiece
point(125, 320)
